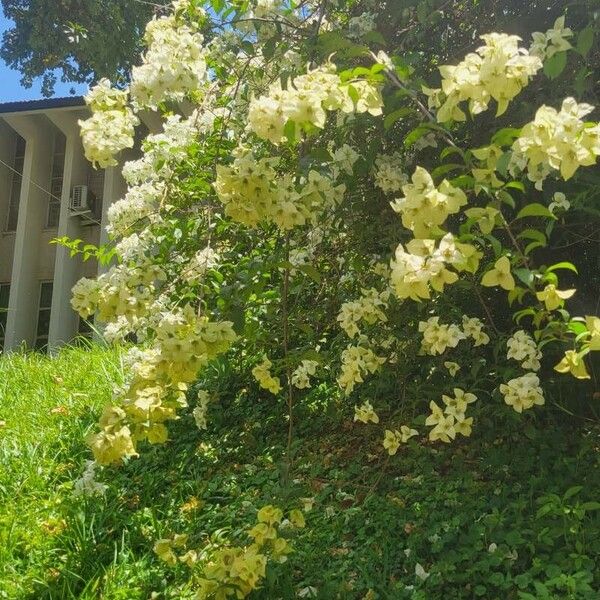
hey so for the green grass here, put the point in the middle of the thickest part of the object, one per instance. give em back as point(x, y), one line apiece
point(526, 486)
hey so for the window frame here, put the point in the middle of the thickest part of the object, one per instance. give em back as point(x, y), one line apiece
point(16, 180)
point(43, 337)
point(55, 199)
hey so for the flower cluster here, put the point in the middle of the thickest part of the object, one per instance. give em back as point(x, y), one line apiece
point(357, 361)
point(120, 292)
point(111, 128)
point(389, 175)
point(523, 392)
point(174, 64)
point(438, 337)
point(393, 439)
point(473, 328)
point(238, 570)
point(158, 378)
point(365, 413)
point(361, 24)
point(485, 172)
point(306, 101)
point(171, 550)
point(498, 70)
point(452, 419)
point(413, 273)
point(522, 348)
point(251, 193)
point(262, 374)
point(425, 207)
point(139, 204)
point(556, 140)
point(301, 376)
point(369, 308)
point(342, 160)
point(546, 45)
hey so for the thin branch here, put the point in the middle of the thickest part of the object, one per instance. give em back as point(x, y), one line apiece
point(285, 316)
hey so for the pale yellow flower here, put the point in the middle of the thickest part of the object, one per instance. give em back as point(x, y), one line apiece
point(552, 297)
point(573, 363)
point(499, 275)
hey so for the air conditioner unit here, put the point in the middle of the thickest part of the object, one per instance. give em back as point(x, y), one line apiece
point(80, 200)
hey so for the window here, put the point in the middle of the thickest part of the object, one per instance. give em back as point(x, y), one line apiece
point(43, 324)
point(56, 182)
point(4, 296)
point(15, 186)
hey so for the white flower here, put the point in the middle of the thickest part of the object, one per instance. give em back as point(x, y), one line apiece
point(559, 203)
point(420, 572)
point(86, 485)
point(200, 410)
point(523, 392)
point(522, 347)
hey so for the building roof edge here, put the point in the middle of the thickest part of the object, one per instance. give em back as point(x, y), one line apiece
point(44, 104)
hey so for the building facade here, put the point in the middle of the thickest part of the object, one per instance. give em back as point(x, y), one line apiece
point(44, 176)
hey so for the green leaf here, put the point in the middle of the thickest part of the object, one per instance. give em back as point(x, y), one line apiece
point(290, 131)
point(577, 327)
point(535, 209)
point(585, 41)
point(415, 135)
point(525, 275)
point(591, 506)
point(532, 246)
point(572, 491)
point(268, 49)
point(562, 265)
point(555, 65)
point(505, 197)
point(451, 150)
point(248, 48)
point(375, 37)
point(422, 12)
point(506, 136)
point(443, 169)
point(311, 272)
point(517, 185)
point(353, 93)
point(502, 163)
point(394, 116)
point(495, 243)
point(532, 234)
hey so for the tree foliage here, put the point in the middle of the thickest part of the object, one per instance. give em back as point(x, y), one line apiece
point(76, 40)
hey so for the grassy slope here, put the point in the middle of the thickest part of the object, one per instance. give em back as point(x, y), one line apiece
point(373, 520)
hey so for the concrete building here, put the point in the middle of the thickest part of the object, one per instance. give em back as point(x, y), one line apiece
point(42, 169)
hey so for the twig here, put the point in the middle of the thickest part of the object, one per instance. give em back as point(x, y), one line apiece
point(290, 391)
point(485, 308)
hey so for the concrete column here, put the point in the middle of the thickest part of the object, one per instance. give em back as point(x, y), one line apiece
point(67, 271)
point(8, 141)
point(24, 293)
point(114, 189)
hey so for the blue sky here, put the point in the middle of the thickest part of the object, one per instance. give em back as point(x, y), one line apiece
point(10, 86)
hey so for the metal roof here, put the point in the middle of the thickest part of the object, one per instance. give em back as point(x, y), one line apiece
point(46, 103)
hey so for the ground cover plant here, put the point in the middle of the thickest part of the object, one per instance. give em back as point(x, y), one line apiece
point(358, 262)
point(510, 514)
